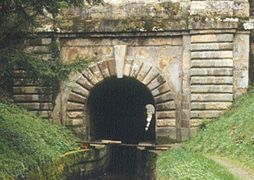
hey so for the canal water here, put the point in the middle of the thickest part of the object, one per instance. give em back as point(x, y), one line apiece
point(126, 163)
point(122, 165)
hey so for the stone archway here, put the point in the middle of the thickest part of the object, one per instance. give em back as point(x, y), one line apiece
point(146, 73)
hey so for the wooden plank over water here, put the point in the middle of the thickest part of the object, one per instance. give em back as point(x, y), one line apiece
point(142, 145)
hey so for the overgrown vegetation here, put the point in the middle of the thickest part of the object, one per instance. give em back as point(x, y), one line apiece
point(16, 20)
point(16, 16)
point(231, 136)
point(43, 72)
point(28, 141)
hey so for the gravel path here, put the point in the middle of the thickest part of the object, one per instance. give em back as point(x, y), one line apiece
point(237, 170)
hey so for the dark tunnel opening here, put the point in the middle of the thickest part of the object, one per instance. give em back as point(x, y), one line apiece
point(117, 112)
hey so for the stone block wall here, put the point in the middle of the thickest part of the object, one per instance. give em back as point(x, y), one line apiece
point(192, 55)
point(27, 93)
point(211, 74)
point(79, 164)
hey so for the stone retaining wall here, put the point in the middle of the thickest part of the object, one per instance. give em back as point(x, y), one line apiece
point(31, 94)
point(72, 165)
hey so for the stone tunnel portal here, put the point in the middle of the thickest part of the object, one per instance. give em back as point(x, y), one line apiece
point(117, 111)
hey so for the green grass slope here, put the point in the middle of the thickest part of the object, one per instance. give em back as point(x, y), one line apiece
point(231, 136)
point(182, 164)
point(26, 141)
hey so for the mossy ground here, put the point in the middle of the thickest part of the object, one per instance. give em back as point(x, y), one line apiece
point(230, 135)
point(27, 141)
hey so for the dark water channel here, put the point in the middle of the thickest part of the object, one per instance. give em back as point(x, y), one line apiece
point(122, 164)
point(129, 163)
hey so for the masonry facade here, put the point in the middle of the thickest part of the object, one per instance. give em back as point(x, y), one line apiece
point(193, 57)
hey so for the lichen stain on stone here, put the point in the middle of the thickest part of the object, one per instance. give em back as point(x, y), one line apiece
point(162, 64)
point(131, 17)
point(72, 53)
point(171, 9)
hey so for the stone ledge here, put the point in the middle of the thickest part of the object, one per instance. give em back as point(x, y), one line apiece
point(149, 17)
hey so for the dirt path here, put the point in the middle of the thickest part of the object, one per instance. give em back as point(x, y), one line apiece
point(234, 168)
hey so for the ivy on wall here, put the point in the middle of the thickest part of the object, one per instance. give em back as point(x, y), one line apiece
point(16, 18)
point(42, 72)
point(46, 71)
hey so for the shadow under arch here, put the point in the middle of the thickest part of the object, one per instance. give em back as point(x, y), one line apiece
point(116, 109)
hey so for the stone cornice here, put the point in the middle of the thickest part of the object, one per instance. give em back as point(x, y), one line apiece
point(141, 18)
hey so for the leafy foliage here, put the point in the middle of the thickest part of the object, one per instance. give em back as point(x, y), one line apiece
point(16, 16)
point(182, 164)
point(27, 141)
point(43, 72)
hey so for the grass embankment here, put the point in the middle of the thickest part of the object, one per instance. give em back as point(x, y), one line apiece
point(231, 136)
point(182, 164)
point(27, 141)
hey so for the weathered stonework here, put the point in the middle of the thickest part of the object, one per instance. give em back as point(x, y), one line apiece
point(192, 55)
point(79, 164)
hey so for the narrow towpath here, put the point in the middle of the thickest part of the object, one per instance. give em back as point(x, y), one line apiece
point(234, 168)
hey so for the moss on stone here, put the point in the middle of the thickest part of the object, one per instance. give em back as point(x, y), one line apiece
point(73, 163)
point(150, 17)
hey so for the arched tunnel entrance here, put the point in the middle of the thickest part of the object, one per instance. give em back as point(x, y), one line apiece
point(117, 112)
